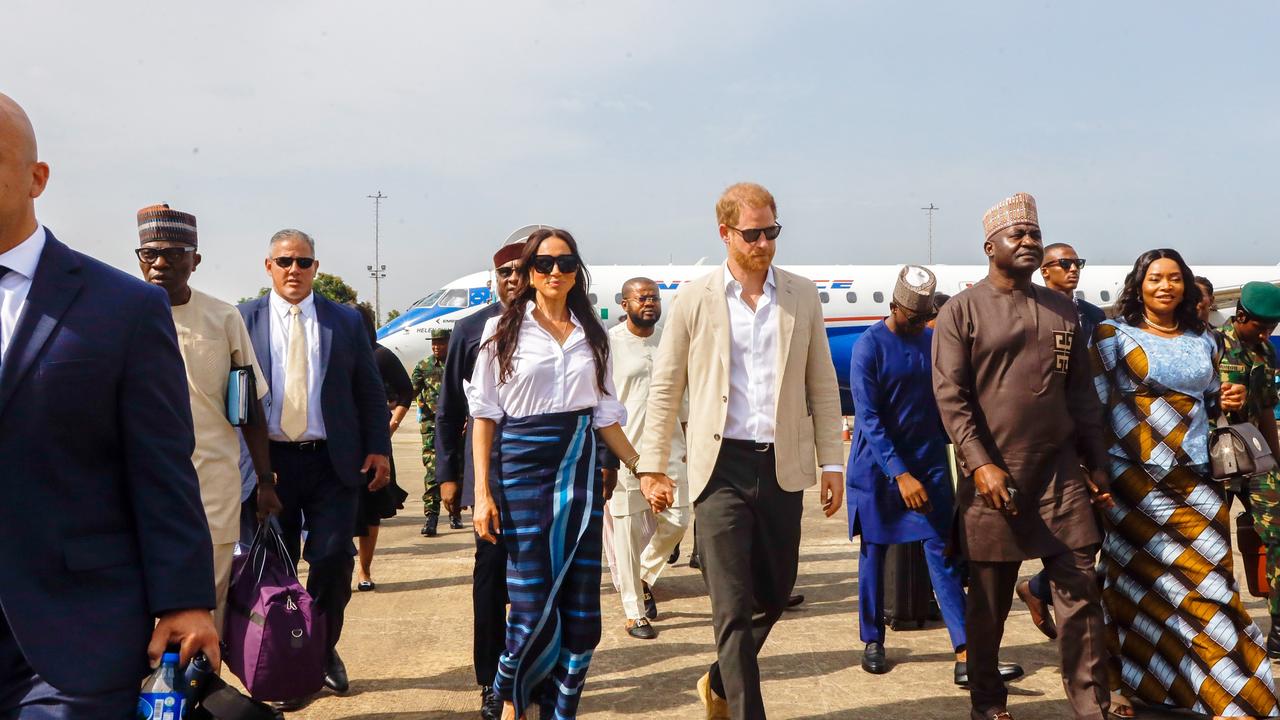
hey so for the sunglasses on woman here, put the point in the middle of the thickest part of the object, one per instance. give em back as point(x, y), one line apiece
point(287, 262)
point(566, 263)
point(1066, 264)
point(751, 235)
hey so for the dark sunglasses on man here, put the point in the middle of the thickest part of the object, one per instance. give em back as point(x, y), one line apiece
point(171, 255)
point(751, 235)
point(505, 272)
point(286, 262)
point(920, 319)
point(567, 263)
point(1065, 264)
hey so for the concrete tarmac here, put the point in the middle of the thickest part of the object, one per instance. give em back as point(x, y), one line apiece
point(407, 645)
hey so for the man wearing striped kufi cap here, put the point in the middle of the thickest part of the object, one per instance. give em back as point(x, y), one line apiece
point(213, 340)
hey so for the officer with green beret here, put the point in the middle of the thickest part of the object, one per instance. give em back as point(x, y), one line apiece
point(427, 375)
point(1249, 359)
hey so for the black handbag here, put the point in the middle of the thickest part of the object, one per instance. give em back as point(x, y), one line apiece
point(1239, 451)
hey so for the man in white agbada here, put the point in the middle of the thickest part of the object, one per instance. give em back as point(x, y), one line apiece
point(639, 559)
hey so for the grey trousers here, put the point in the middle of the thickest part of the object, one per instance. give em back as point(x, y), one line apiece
point(1082, 643)
point(748, 534)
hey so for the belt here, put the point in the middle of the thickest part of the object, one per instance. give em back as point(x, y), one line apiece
point(305, 446)
point(749, 445)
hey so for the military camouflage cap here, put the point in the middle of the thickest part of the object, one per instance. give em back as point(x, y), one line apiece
point(1261, 300)
point(440, 334)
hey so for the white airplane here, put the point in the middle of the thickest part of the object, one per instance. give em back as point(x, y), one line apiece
point(854, 297)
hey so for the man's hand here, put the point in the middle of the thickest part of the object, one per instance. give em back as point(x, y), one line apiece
point(831, 492)
point(992, 483)
point(381, 467)
point(1100, 489)
point(913, 493)
point(1233, 396)
point(268, 501)
point(486, 521)
point(609, 477)
point(659, 490)
point(192, 630)
point(449, 496)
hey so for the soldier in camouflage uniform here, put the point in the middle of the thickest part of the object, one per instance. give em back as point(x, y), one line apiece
point(427, 375)
point(1249, 359)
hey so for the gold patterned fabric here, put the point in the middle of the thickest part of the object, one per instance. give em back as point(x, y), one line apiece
point(1178, 632)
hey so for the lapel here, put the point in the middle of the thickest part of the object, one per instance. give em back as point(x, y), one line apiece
point(786, 310)
point(720, 316)
point(260, 333)
point(56, 283)
point(326, 316)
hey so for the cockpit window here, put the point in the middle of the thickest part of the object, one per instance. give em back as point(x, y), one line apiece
point(455, 298)
point(429, 300)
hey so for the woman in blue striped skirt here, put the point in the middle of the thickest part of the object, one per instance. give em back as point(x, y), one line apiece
point(541, 390)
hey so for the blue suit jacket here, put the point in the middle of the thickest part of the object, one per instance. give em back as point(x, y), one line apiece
point(353, 401)
point(101, 524)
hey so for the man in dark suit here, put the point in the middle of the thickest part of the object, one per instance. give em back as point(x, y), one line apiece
point(1060, 271)
point(101, 526)
point(327, 420)
point(453, 468)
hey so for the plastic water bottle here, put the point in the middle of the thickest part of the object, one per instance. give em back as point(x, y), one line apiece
point(161, 698)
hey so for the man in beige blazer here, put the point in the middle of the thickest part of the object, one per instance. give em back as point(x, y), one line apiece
point(748, 344)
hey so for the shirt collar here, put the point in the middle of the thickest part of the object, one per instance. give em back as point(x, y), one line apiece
point(731, 284)
point(23, 258)
point(281, 306)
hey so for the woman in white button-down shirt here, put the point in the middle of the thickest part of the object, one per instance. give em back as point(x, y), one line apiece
point(541, 390)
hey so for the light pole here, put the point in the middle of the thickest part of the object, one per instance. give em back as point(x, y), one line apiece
point(377, 270)
point(931, 210)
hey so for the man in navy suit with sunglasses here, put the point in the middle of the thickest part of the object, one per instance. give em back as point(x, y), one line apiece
point(327, 420)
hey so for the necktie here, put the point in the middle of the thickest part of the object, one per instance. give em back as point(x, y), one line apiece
point(293, 416)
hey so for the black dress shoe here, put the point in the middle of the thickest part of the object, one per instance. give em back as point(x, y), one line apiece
point(873, 659)
point(335, 675)
point(650, 605)
point(284, 706)
point(429, 528)
point(795, 600)
point(455, 522)
point(1008, 672)
point(641, 629)
point(675, 555)
point(365, 585)
point(490, 704)
point(695, 562)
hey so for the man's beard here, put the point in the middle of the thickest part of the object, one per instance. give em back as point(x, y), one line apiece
point(642, 322)
point(751, 262)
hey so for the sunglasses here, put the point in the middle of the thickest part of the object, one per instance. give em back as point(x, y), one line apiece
point(566, 263)
point(923, 319)
point(171, 255)
point(1066, 264)
point(287, 262)
point(752, 235)
point(505, 272)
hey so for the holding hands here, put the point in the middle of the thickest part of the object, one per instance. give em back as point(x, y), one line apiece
point(658, 489)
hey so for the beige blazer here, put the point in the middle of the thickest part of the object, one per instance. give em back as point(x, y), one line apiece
point(694, 356)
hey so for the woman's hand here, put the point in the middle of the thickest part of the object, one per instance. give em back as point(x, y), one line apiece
point(485, 519)
point(1233, 397)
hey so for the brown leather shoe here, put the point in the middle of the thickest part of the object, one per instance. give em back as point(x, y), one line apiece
point(1041, 614)
point(717, 707)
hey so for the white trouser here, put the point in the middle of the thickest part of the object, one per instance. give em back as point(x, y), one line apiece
point(638, 557)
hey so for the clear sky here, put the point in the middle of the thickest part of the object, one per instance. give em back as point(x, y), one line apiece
point(1135, 125)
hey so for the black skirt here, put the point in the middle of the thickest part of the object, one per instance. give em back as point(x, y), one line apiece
point(379, 505)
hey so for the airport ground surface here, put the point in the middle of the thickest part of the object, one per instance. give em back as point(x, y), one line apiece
point(408, 644)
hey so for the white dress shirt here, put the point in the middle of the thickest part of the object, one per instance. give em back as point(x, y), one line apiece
point(546, 377)
point(21, 260)
point(279, 357)
point(753, 363)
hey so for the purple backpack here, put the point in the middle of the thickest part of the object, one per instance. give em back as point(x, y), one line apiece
point(275, 642)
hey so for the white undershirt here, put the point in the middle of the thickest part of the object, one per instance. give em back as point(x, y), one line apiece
point(22, 260)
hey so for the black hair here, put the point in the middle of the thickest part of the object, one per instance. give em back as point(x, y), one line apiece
point(1129, 305)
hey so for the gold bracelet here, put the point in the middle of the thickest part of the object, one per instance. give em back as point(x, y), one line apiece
point(632, 463)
